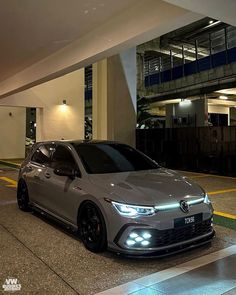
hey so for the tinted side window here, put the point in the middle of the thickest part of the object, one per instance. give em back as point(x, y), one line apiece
point(62, 155)
point(42, 155)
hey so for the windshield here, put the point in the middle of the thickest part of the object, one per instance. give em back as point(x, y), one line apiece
point(112, 158)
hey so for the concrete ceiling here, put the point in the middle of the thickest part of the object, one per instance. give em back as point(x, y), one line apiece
point(30, 30)
point(223, 10)
point(42, 40)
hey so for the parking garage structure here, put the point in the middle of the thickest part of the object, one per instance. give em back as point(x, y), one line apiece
point(158, 75)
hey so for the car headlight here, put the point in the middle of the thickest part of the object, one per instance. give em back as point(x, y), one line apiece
point(206, 199)
point(133, 210)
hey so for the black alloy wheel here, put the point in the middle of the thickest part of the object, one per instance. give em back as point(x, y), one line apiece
point(92, 227)
point(22, 196)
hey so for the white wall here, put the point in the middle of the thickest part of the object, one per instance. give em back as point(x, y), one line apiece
point(12, 132)
point(55, 121)
point(218, 109)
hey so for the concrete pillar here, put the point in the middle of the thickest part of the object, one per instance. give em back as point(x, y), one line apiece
point(140, 74)
point(100, 101)
point(114, 98)
point(232, 116)
point(194, 111)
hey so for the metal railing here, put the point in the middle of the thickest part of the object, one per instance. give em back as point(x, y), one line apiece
point(208, 51)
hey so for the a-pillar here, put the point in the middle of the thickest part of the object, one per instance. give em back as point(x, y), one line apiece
point(114, 98)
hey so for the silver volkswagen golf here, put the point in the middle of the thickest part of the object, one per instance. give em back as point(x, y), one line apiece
point(116, 197)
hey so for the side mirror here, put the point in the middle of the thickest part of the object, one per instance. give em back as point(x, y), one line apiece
point(64, 170)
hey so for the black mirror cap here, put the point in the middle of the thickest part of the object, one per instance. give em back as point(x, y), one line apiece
point(67, 171)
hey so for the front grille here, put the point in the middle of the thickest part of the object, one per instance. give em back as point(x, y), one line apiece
point(161, 238)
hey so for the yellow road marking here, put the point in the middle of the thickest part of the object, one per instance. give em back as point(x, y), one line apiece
point(225, 214)
point(222, 192)
point(12, 182)
point(199, 176)
point(221, 176)
point(188, 173)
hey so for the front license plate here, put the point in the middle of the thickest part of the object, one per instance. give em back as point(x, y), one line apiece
point(188, 220)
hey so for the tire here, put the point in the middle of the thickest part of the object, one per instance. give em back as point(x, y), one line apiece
point(22, 196)
point(92, 227)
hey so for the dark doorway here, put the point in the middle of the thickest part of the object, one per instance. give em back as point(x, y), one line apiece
point(218, 119)
point(30, 128)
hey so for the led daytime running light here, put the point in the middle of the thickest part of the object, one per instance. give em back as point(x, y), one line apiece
point(133, 210)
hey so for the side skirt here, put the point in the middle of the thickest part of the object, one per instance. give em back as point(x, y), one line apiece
point(58, 219)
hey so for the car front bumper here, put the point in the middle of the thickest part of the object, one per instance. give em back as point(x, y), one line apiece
point(170, 247)
point(163, 242)
point(167, 251)
point(142, 239)
point(160, 234)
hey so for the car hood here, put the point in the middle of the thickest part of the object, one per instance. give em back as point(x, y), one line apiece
point(151, 187)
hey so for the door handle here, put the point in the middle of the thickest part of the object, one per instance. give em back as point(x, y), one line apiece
point(47, 174)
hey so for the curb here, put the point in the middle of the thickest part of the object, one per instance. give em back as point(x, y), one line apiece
point(224, 221)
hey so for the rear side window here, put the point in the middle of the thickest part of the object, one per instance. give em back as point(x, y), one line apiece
point(42, 155)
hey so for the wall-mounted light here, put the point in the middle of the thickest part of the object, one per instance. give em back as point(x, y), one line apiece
point(211, 22)
point(224, 97)
point(64, 106)
point(185, 102)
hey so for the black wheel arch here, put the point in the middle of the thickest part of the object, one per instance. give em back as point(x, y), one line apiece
point(96, 204)
point(102, 218)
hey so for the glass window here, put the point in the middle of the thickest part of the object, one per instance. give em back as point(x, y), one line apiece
point(42, 155)
point(62, 155)
point(111, 158)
